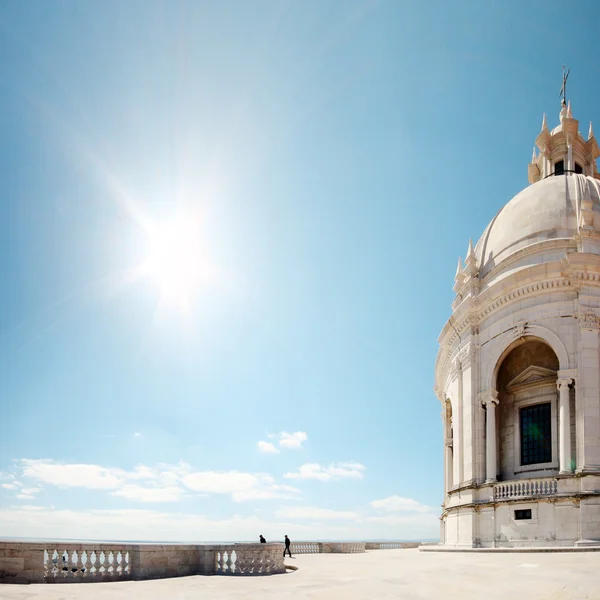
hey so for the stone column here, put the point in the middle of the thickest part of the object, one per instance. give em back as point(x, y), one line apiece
point(490, 401)
point(564, 424)
point(447, 428)
point(448, 464)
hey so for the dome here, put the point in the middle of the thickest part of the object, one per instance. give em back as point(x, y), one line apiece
point(543, 211)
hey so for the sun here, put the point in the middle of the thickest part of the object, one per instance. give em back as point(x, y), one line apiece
point(174, 261)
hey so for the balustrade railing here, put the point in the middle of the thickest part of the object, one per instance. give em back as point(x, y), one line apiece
point(352, 547)
point(305, 547)
point(526, 488)
point(249, 559)
point(83, 561)
point(61, 562)
point(327, 547)
point(391, 545)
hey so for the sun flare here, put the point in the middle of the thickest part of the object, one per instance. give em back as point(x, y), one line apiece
point(174, 261)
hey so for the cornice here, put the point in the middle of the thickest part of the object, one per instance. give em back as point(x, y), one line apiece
point(484, 306)
point(522, 291)
point(480, 310)
point(582, 268)
point(530, 250)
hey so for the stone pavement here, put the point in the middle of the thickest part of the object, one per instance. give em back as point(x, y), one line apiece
point(381, 574)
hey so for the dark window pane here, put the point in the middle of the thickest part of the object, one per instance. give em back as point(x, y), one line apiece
point(521, 515)
point(559, 167)
point(536, 438)
point(578, 168)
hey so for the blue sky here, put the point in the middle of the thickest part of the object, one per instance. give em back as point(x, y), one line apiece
point(228, 237)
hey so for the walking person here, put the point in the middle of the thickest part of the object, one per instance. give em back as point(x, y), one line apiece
point(287, 546)
point(262, 539)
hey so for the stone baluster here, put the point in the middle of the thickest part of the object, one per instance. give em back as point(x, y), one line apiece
point(64, 563)
point(95, 563)
point(84, 557)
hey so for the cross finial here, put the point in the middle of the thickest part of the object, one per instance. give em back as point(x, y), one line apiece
point(563, 89)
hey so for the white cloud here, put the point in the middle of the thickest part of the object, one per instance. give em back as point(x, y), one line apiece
point(74, 475)
point(143, 472)
point(23, 493)
point(267, 447)
point(162, 483)
point(335, 471)
point(138, 435)
point(212, 482)
point(267, 492)
point(310, 513)
point(400, 504)
point(150, 494)
point(404, 526)
point(292, 440)
point(22, 521)
point(241, 486)
point(162, 479)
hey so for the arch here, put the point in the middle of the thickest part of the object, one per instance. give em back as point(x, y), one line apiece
point(506, 343)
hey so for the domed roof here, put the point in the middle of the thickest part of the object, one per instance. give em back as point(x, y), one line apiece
point(543, 211)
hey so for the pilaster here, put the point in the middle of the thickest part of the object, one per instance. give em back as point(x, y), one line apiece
point(468, 358)
point(587, 397)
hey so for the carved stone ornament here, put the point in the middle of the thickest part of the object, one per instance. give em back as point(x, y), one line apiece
point(589, 320)
point(521, 327)
point(488, 397)
point(587, 215)
point(466, 356)
point(563, 382)
point(532, 376)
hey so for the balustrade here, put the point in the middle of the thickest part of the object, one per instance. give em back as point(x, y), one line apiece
point(249, 559)
point(391, 545)
point(83, 561)
point(59, 562)
point(350, 547)
point(526, 488)
point(305, 548)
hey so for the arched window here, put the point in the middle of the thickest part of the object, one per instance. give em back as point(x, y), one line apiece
point(528, 410)
point(559, 167)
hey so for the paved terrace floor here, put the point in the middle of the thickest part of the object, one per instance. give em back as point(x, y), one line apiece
point(380, 574)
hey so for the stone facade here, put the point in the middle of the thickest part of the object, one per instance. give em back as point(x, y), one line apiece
point(518, 370)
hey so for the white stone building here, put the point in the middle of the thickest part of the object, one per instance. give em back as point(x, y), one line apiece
point(518, 370)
